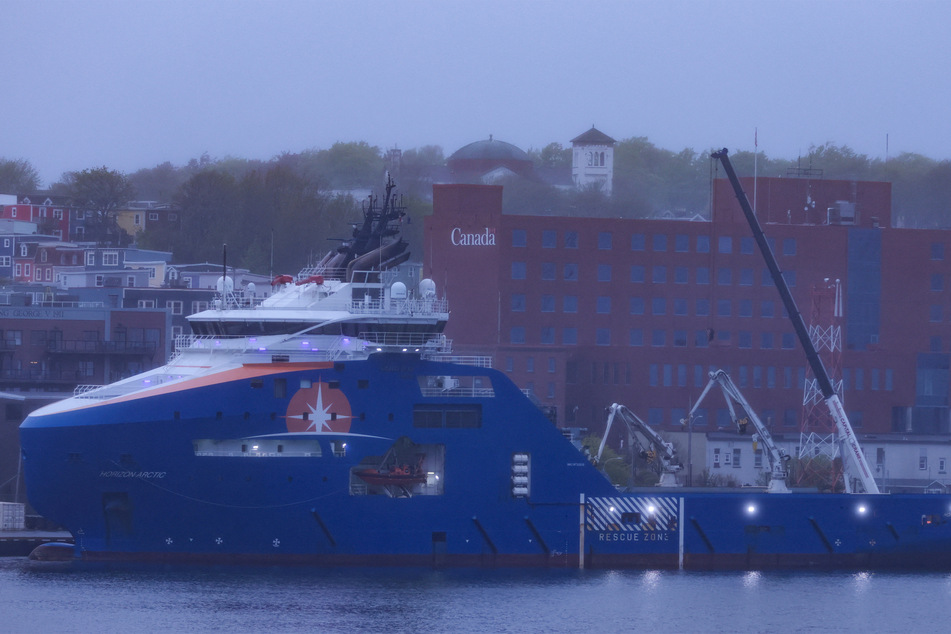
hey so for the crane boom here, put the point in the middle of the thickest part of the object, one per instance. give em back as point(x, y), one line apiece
point(657, 444)
point(860, 466)
point(777, 457)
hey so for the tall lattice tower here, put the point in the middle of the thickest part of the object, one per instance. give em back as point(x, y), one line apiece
point(818, 442)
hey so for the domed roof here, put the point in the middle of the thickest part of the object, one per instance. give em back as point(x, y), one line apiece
point(492, 149)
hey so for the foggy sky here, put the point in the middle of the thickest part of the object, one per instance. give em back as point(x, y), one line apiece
point(131, 84)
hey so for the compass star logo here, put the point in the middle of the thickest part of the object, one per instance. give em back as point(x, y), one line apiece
point(319, 408)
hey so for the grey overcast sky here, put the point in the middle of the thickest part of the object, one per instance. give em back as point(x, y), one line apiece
point(133, 83)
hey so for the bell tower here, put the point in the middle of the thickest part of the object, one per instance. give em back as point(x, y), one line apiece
point(592, 160)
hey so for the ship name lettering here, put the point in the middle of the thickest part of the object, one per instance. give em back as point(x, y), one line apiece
point(484, 239)
point(148, 475)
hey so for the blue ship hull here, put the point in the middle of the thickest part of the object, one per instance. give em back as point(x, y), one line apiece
point(366, 462)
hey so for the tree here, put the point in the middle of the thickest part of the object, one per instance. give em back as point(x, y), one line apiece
point(18, 176)
point(553, 155)
point(159, 183)
point(100, 192)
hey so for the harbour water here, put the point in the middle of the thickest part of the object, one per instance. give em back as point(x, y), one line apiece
point(87, 598)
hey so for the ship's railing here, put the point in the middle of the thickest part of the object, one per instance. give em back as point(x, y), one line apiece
point(123, 387)
point(417, 341)
point(398, 307)
point(79, 390)
point(213, 342)
point(471, 360)
point(461, 392)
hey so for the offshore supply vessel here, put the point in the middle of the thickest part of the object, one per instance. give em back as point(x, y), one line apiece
point(331, 424)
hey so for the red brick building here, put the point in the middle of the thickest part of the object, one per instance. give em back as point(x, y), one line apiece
point(584, 312)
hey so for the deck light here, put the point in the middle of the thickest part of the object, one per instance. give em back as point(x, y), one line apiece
point(751, 509)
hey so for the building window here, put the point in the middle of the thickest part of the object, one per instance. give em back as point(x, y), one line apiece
point(937, 253)
point(518, 238)
point(146, 303)
point(659, 242)
point(659, 274)
point(658, 338)
point(571, 239)
point(923, 463)
point(197, 307)
point(604, 240)
point(518, 303)
point(658, 306)
point(549, 239)
point(637, 242)
point(746, 277)
point(703, 244)
point(724, 277)
point(680, 275)
point(518, 270)
point(702, 338)
point(681, 243)
point(175, 306)
point(746, 308)
point(725, 244)
point(569, 336)
point(766, 308)
point(637, 274)
point(99, 280)
point(90, 258)
point(570, 304)
point(680, 307)
point(636, 337)
point(603, 336)
point(766, 340)
point(571, 272)
point(935, 313)
point(789, 246)
point(604, 272)
point(744, 339)
point(530, 364)
point(517, 334)
point(604, 305)
point(736, 457)
point(746, 245)
point(789, 341)
point(942, 465)
point(153, 215)
point(703, 308)
point(548, 303)
point(723, 308)
point(680, 338)
point(703, 275)
point(937, 282)
point(548, 271)
point(637, 306)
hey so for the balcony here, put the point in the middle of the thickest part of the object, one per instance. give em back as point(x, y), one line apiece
point(75, 346)
point(39, 377)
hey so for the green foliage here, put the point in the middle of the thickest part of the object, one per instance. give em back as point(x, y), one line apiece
point(18, 176)
point(100, 192)
point(273, 206)
point(553, 155)
point(159, 183)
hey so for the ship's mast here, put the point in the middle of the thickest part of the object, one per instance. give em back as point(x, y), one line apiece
point(862, 471)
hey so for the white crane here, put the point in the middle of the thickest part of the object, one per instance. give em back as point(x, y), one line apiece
point(656, 447)
point(776, 457)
